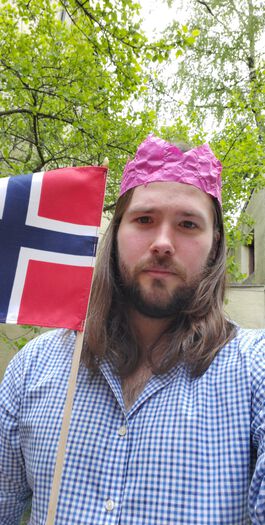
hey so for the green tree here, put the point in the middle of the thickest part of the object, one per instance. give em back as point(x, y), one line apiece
point(219, 90)
point(73, 86)
point(60, 101)
point(70, 75)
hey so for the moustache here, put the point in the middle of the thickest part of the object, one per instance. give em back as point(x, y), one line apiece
point(161, 263)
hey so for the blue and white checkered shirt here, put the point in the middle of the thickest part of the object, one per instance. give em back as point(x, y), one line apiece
point(184, 454)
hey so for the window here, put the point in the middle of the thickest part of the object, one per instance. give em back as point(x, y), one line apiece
point(251, 257)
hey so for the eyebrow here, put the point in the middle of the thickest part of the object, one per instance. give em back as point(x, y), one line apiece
point(141, 209)
point(184, 213)
point(191, 213)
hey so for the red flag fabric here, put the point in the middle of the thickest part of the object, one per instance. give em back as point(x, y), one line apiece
point(49, 225)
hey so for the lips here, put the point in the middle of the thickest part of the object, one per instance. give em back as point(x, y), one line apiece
point(160, 271)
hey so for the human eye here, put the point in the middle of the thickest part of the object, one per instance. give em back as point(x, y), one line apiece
point(190, 225)
point(144, 219)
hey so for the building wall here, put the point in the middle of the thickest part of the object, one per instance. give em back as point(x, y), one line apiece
point(256, 208)
point(245, 304)
point(244, 254)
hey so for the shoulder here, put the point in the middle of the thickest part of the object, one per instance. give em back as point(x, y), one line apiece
point(251, 343)
point(50, 346)
point(52, 341)
point(42, 356)
point(250, 347)
point(246, 342)
point(245, 352)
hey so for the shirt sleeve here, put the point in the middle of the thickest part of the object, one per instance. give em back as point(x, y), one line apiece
point(14, 490)
point(257, 487)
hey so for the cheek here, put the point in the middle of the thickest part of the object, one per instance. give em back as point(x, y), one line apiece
point(197, 253)
point(131, 247)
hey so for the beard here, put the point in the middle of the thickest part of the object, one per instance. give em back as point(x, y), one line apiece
point(157, 302)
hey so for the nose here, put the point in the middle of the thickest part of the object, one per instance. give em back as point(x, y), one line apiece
point(163, 243)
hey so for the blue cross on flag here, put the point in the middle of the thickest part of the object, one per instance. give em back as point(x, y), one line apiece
point(49, 224)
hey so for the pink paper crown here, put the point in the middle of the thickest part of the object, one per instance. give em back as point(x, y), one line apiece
point(159, 161)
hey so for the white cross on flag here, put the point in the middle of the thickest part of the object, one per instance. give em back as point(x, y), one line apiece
point(48, 232)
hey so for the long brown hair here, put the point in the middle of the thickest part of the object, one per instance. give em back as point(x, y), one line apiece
point(194, 336)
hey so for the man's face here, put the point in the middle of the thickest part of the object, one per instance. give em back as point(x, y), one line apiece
point(164, 241)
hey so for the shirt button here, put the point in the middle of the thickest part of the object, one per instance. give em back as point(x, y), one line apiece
point(109, 505)
point(122, 431)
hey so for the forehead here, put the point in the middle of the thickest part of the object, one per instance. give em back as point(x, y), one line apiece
point(173, 196)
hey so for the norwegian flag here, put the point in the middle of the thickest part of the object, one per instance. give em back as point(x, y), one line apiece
point(48, 235)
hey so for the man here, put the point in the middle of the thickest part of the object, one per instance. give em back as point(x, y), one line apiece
point(168, 419)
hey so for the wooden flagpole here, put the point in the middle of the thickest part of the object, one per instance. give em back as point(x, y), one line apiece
point(64, 430)
point(56, 484)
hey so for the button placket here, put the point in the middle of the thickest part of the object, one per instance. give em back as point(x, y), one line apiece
point(122, 431)
point(109, 505)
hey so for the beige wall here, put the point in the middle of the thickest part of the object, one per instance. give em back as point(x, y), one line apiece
point(256, 208)
point(103, 226)
point(245, 304)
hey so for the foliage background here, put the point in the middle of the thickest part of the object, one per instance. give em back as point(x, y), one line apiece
point(218, 87)
point(74, 87)
point(71, 76)
point(80, 81)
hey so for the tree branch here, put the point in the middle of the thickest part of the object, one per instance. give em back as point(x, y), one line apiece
point(234, 142)
point(206, 5)
point(7, 112)
point(37, 143)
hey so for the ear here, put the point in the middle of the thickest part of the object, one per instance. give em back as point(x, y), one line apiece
point(215, 246)
point(216, 236)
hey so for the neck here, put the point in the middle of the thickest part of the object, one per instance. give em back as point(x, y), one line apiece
point(147, 329)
